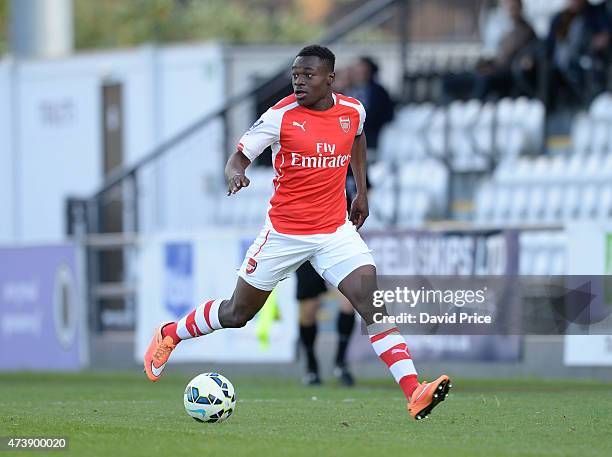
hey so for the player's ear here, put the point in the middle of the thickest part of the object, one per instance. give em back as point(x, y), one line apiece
point(330, 78)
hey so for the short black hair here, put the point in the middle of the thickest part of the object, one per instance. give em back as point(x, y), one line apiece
point(323, 53)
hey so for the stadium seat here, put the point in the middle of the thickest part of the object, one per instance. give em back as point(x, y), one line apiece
point(504, 172)
point(522, 189)
point(382, 204)
point(382, 195)
point(554, 203)
point(518, 206)
point(536, 204)
point(571, 202)
point(581, 134)
point(600, 136)
point(485, 203)
point(588, 202)
point(503, 205)
point(604, 203)
point(554, 169)
point(533, 123)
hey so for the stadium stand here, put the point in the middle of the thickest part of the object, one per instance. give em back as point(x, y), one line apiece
point(427, 144)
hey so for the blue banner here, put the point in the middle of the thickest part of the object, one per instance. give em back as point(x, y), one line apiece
point(42, 326)
point(179, 281)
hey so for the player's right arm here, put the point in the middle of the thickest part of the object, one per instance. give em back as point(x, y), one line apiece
point(264, 132)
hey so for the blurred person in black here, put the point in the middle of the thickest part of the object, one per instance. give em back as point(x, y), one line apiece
point(310, 290)
point(578, 50)
point(359, 82)
point(495, 76)
point(374, 97)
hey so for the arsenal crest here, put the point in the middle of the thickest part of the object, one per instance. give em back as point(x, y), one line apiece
point(251, 265)
point(345, 123)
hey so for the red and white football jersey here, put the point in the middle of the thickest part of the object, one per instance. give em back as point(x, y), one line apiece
point(311, 152)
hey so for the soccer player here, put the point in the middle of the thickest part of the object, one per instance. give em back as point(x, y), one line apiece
point(315, 134)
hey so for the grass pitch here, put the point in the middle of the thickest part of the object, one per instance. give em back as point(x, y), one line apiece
point(121, 414)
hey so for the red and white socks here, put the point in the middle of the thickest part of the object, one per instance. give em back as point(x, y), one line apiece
point(391, 348)
point(201, 321)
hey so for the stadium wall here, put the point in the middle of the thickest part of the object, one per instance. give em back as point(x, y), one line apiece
point(43, 309)
point(7, 153)
point(54, 129)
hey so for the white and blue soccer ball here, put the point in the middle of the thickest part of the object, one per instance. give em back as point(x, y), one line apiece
point(209, 397)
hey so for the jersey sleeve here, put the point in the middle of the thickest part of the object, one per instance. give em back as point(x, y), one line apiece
point(362, 117)
point(263, 133)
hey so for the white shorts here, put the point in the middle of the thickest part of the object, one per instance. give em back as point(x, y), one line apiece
point(273, 256)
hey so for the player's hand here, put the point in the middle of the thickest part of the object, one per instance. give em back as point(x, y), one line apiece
point(359, 211)
point(237, 182)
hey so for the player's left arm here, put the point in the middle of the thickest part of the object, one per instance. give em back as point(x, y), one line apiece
point(359, 206)
point(235, 169)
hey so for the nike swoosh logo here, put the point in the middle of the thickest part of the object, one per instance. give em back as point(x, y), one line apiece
point(397, 351)
point(422, 392)
point(157, 371)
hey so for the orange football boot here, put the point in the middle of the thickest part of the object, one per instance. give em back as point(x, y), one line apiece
point(157, 354)
point(427, 396)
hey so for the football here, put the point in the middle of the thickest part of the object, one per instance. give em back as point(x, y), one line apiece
point(209, 397)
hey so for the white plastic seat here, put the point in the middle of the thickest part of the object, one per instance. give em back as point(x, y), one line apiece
point(588, 202)
point(412, 208)
point(436, 142)
point(501, 210)
point(387, 142)
point(553, 211)
point(510, 141)
point(484, 203)
point(536, 204)
point(522, 172)
point(571, 202)
point(482, 131)
point(600, 136)
point(541, 168)
point(382, 204)
point(555, 171)
point(574, 169)
point(582, 134)
point(505, 112)
point(533, 124)
point(604, 203)
point(379, 173)
point(408, 175)
point(518, 206)
point(601, 107)
point(606, 167)
point(505, 171)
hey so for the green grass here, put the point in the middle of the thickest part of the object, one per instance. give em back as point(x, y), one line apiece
point(124, 414)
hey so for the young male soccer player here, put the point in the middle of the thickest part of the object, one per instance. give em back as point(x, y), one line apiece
point(314, 134)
